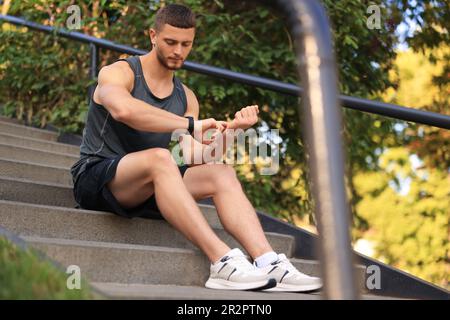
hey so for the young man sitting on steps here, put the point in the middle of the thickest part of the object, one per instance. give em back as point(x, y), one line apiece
point(125, 166)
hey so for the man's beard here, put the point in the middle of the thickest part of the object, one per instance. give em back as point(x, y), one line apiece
point(163, 61)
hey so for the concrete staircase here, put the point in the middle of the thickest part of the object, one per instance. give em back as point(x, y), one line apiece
point(123, 258)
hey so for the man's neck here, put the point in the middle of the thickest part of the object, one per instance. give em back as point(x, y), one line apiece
point(152, 67)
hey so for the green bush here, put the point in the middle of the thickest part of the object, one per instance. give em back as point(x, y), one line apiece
point(25, 276)
point(43, 86)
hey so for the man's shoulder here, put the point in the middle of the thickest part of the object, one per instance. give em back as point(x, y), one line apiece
point(117, 72)
point(188, 91)
point(120, 66)
point(191, 99)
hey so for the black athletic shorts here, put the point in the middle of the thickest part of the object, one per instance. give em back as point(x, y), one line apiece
point(91, 192)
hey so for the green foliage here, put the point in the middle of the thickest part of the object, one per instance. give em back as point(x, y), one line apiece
point(43, 86)
point(432, 18)
point(25, 276)
point(413, 76)
point(409, 230)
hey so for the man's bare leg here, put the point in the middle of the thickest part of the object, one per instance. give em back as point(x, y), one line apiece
point(140, 174)
point(235, 211)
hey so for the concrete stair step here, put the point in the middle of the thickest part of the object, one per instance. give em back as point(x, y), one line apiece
point(28, 191)
point(43, 145)
point(126, 263)
point(42, 157)
point(35, 172)
point(51, 194)
point(56, 195)
point(21, 130)
point(177, 292)
point(55, 222)
point(10, 120)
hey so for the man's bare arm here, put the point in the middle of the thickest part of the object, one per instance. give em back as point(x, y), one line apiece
point(114, 86)
point(188, 144)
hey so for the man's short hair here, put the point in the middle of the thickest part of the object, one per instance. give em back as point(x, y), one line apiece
point(176, 15)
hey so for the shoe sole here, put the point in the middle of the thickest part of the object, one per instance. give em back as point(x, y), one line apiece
point(222, 284)
point(289, 288)
point(272, 283)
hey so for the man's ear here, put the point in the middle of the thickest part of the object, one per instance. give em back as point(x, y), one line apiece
point(152, 33)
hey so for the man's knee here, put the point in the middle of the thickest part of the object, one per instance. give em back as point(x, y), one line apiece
point(159, 154)
point(225, 177)
point(159, 159)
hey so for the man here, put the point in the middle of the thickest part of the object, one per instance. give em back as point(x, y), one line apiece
point(125, 166)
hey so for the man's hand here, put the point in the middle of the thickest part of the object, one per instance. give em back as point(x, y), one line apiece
point(207, 126)
point(245, 118)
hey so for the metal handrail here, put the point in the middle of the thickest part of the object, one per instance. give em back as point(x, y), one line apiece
point(360, 104)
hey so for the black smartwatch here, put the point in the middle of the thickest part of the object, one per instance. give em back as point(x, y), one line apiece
point(191, 125)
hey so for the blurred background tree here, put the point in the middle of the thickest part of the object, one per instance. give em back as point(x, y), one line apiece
point(246, 37)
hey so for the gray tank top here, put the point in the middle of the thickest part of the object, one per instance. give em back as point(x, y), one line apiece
point(104, 137)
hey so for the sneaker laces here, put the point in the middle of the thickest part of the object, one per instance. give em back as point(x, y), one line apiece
point(284, 262)
point(241, 263)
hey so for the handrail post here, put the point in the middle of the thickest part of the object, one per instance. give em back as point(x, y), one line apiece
point(322, 120)
point(93, 67)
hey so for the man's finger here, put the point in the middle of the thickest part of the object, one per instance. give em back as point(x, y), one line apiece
point(246, 112)
point(223, 125)
point(253, 111)
point(219, 128)
point(210, 123)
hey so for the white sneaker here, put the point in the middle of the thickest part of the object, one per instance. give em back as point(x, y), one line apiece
point(235, 272)
point(289, 279)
